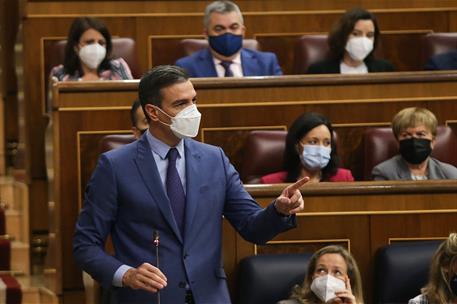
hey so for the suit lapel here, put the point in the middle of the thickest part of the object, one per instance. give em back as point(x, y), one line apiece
point(193, 185)
point(403, 169)
point(249, 63)
point(148, 170)
point(207, 64)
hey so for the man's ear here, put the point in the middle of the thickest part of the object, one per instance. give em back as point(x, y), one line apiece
point(136, 132)
point(151, 112)
point(243, 30)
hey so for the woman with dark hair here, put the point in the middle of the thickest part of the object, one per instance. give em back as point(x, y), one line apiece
point(352, 44)
point(87, 54)
point(332, 277)
point(310, 151)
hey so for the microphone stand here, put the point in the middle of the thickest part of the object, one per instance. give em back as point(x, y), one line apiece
point(156, 244)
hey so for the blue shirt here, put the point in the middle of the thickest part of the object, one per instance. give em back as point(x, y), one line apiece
point(159, 151)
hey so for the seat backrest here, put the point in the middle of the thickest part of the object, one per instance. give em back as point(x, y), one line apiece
point(54, 54)
point(269, 278)
point(113, 141)
point(379, 144)
point(309, 49)
point(438, 43)
point(263, 154)
point(401, 270)
point(192, 45)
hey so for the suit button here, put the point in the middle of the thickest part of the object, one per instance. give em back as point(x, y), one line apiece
point(185, 256)
point(182, 284)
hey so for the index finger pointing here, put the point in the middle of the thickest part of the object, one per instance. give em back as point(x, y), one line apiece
point(291, 189)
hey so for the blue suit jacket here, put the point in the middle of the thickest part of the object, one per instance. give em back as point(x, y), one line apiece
point(253, 63)
point(446, 61)
point(125, 197)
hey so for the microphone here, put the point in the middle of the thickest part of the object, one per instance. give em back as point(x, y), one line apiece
point(156, 241)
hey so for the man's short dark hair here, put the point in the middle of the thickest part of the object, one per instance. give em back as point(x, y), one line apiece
point(136, 104)
point(155, 80)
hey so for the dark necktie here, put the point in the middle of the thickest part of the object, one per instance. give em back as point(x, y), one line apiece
point(226, 66)
point(175, 190)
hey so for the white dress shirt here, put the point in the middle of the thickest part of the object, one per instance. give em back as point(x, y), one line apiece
point(235, 67)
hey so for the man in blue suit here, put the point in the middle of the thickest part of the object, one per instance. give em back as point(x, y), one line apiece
point(225, 57)
point(168, 189)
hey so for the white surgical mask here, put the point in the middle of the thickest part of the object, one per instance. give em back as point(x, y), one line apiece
point(324, 287)
point(92, 55)
point(185, 123)
point(315, 157)
point(359, 47)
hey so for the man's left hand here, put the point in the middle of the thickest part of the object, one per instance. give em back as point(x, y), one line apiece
point(291, 201)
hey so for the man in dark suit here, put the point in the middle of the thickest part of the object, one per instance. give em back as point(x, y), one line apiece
point(166, 184)
point(446, 61)
point(225, 57)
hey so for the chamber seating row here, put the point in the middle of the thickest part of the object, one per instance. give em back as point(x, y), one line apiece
point(308, 49)
point(264, 149)
point(400, 271)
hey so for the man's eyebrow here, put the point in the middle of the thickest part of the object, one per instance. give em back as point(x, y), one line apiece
point(178, 101)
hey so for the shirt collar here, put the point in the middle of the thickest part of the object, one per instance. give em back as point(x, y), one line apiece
point(236, 60)
point(161, 148)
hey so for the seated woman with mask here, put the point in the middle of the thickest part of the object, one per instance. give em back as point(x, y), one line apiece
point(352, 44)
point(332, 277)
point(415, 130)
point(87, 54)
point(310, 151)
point(442, 283)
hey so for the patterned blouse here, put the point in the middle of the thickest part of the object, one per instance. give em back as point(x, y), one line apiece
point(119, 71)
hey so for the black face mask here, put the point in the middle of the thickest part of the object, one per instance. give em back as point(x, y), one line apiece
point(453, 284)
point(415, 150)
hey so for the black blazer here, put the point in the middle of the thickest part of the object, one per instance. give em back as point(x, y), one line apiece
point(332, 66)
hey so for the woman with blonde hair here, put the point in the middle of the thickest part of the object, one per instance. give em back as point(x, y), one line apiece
point(415, 130)
point(442, 284)
point(332, 277)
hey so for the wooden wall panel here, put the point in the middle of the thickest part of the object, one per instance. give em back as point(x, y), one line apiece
point(9, 129)
point(182, 6)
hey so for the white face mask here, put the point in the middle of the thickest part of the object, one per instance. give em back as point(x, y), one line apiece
point(92, 55)
point(324, 287)
point(359, 47)
point(315, 157)
point(185, 123)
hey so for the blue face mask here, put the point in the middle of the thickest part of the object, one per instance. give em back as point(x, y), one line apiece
point(315, 157)
point(226, 44)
